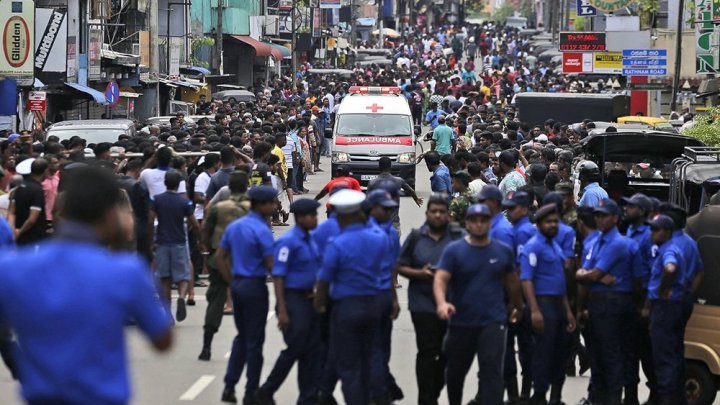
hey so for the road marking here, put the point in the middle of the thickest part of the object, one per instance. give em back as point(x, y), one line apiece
point(270, 315)
point(197, 388)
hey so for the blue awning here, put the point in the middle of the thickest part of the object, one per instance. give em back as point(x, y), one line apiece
point(99, 97)
point(198, 69)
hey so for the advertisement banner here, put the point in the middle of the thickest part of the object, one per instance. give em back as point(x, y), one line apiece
point(330, 4)
point(175, 45)
point(608, 63)
point(94, 54)
point(577, 62)
point(51, 45)
point(17, 19)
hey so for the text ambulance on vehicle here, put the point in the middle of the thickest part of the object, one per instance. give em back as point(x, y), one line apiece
point(370, 123)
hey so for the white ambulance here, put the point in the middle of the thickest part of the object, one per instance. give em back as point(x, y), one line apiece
point(373, 122)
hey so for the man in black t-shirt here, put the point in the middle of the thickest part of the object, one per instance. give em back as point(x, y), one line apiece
point(30, 222)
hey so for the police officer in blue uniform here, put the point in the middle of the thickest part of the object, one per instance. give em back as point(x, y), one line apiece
point(637, 209)
point(294, 271)
point(518, 207)
point(351, 277)
point(500, 228)
point(543, 279)
point(474, 303)
point(666, 291)
point(592, 193)
point(380, 207)
point(71, 328)
point(248, 241)
point(608, 273)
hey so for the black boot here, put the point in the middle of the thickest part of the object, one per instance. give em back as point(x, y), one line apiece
point(538, 399)
point(613, 398)
point(511, 387)
point(526, 388)
point(556, 394)
point(228, 395)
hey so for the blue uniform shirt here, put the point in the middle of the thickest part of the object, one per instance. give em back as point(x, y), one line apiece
point(667, 253)
point(588, 243)
point(566, 240)
point(477, 288)
point(352, 262)
point(6, 234)
point(440, 181)
point(690, 254)
point(326, 232)
point(616, 255)
point(592, 194)
point(501, 230)
point(541, 261)
point(249, 241)
point(72, 326)
point(391, 256)
point(641, 236)
point(297, 259)
point(523, 230)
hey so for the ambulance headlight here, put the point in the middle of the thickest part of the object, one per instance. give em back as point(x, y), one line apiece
point(340, 157)
point(406, 157)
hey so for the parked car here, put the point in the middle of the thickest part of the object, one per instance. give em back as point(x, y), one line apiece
point(93, 131)
point(237, 95)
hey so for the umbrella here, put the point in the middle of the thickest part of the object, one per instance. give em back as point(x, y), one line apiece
point(388, 32)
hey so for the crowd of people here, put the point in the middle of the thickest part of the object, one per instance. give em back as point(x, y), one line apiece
point(520, 247)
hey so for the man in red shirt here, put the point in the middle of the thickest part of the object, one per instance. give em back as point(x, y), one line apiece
point(343, 179)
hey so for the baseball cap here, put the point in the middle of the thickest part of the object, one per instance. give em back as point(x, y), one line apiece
point(304, 206)
point(544, 211)
point(661, 221)
point(262, 194)
point(489, 192)
point(520, 198)
point(542, 138)
point(380, 197)
point(13, 137)
point(639, 200)
point(477, 209)
point(608, 207)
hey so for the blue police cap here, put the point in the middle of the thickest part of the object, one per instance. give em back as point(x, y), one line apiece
point(262, 194)
point(520, 198)
point(661, 221)
point(489, 192)
point(304, 206)
point(478, 209)
point(380, 197)
point(639, 200)
point(554, 197)
point(544, 211)
point(608, 207)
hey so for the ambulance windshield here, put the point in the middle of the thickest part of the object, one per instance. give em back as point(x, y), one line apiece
point(374, 125)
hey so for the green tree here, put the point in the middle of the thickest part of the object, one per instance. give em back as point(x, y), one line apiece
point(707, 128)
point(500, 14)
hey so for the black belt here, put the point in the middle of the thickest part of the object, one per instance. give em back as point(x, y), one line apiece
point(249, 278)
point(553, 299)
point(611, 295)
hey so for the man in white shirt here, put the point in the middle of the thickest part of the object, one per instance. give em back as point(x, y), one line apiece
point(211, 164)
point(154, 179)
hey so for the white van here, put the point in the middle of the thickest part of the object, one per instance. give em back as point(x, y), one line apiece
point(370, 123)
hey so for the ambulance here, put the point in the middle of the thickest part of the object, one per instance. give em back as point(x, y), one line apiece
point(373, 122)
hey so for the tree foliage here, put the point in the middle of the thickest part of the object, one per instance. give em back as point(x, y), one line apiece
point(707, 128)
point(503, 12)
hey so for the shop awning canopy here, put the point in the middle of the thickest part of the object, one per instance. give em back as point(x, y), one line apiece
point(129, 94)
point(98, 96)
point(196, 70)
point(119, 58)
point(283, 50)
point(261, 49)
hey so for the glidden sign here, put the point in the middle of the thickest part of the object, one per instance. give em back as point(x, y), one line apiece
point(16, 41)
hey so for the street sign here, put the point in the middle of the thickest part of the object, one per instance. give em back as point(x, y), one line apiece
point(644, 53)
point(644, 62)
point(644, 72)
point(648, 86)
point(582, 41)
point(112, 94)
point(584, 8)
point(37, 101)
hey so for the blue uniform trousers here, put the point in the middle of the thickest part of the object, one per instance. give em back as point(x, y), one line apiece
point(551, 347)
point(250, 305)
point(355, 322)
point(303, 345)
point(328, 373)
point(666, 334)
point(382, 380)
point(640, 353)
point(488, 344)
point(523, 332)
point(611, 315)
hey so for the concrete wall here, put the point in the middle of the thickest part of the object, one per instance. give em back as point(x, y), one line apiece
point(666, 40)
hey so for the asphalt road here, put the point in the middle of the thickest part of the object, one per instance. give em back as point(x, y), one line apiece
point(179, 378)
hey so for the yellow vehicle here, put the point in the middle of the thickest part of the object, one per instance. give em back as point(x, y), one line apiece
point(655, 123)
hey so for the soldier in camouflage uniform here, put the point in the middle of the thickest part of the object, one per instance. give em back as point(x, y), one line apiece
point(464, 198)
point(219, 217)
point(569, 216)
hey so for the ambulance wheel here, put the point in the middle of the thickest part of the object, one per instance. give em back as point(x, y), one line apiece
point(700, 385)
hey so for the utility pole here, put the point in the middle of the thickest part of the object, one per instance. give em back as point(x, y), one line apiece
point(381, 42)
point(217, 60)
point(294, 41)
point(154, 54)
point(678, 56)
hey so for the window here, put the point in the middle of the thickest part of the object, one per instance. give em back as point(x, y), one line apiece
point(101, 9)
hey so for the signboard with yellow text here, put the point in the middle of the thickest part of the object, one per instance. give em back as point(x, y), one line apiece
point(608, 63)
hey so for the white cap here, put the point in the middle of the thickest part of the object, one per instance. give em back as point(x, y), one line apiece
point(347, 201)
point(542, 138)
point(24, 167)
